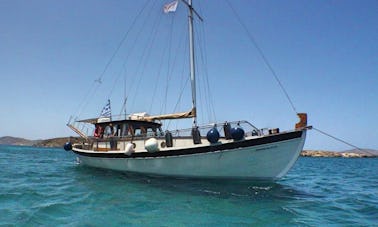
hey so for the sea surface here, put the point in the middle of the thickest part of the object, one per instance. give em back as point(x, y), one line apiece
point(46, 187)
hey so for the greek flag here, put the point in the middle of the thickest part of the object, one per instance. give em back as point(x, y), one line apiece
point(106, 111)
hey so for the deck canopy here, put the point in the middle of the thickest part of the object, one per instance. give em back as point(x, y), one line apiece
point(126, 121)
point(182, 115)
point(147, 118)
point(90, 120)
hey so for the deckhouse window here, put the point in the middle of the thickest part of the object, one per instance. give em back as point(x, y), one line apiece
point(151, 131)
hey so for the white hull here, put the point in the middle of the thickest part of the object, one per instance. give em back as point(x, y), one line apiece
point(266, 161)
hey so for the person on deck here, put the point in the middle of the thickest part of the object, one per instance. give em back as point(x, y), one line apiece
point(99, 132)
point(110, 133)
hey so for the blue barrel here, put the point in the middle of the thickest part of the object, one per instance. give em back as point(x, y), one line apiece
point(237, 133)
point(67, 146)
point(213, 135)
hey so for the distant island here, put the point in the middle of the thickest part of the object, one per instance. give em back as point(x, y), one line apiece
point(363, 153)
point(9, 140)
point(54, 142)
point(59, 142)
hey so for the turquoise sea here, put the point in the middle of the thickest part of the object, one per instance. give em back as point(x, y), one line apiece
point(45, 187)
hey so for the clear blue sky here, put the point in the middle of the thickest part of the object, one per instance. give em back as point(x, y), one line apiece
point(324, 52)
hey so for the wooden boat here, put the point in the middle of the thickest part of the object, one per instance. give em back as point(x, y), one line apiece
point(230, 150)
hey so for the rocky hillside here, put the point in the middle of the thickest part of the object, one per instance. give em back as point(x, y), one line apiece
point(365, 153)
point(55, 142)
point(9, 140)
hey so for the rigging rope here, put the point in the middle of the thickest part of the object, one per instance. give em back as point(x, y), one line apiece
point(184, 77)
point(84, 101)
point(122, 41)
point(158, 75)
point(96, 83)
point(131, 50)
point(173, 57)
point(203, 56)
point(169, 71)
point(338, 139)
point(253, 40)
point(146, 53)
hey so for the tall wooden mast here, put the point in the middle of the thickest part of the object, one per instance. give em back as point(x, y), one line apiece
point(192, 62)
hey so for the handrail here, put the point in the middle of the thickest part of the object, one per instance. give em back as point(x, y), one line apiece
point(203, 129)
point(80, 133)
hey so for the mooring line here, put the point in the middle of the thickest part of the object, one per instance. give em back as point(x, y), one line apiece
point(263, 56)
point(340, 140)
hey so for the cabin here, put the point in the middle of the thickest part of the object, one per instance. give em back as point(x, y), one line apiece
point(114, 135)
point(127, 128)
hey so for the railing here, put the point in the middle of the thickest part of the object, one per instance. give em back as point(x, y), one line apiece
point(110, 142)
point(81, 128)
point(86, 131)
point(248, 128)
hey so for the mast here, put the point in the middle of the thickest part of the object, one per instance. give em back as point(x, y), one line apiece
point(192, 62)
